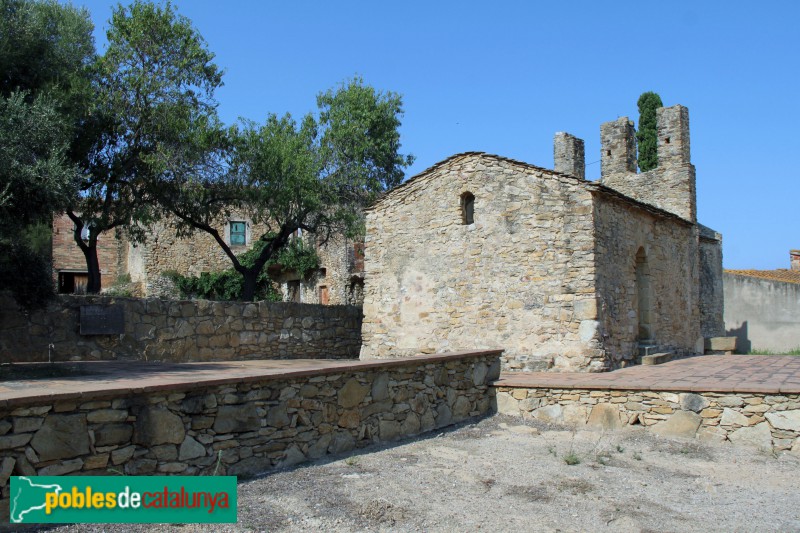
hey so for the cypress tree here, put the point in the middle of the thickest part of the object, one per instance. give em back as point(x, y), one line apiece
point(646, 136)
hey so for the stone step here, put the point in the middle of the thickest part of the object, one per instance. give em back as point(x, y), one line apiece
point(657, 358)
point(720, 345)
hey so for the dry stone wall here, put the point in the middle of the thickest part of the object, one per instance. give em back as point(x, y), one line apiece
point(520, 277)
point(241, 428)
point(770, 422)
point(670, 253)
point(181, 331)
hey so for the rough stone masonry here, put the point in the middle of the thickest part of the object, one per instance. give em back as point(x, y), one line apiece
point(770, 422)
point(181, 331)
point(242, 427)
point(564, 274)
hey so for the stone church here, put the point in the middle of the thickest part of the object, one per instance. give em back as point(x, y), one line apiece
point(564, 274)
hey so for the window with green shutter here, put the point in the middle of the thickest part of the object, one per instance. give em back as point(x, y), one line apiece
point(238, 234)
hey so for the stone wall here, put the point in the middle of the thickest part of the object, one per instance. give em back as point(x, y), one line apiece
point(563, 273)
point(182, 330)
point(192, 255)
point(668, 280)
point(763, 314)
point(712, 296)
point(241, 428)
point(569, 155)
point(520, 277)
point(341, 275)
point(768, 421)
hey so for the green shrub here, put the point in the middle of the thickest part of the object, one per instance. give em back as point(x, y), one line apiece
point(228, 284)
point(27, 274)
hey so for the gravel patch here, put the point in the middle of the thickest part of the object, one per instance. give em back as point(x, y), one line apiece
point(506, 474)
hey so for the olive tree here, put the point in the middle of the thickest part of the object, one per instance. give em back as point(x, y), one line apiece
point(315, 175)
point(46, 51)
point(154, 82)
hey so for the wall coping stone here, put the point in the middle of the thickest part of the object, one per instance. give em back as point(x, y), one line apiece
point(116, 382)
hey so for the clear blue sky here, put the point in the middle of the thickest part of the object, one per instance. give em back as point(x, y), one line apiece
point(503, 77)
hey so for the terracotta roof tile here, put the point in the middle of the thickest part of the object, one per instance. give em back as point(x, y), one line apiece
point(781, 274)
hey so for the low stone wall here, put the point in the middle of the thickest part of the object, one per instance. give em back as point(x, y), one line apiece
point(181, 331)
point(241, 428)
point(768, 421)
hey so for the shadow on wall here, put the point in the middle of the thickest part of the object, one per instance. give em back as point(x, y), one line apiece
point(743, 344)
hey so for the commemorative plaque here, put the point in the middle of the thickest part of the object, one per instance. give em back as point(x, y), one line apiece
point(102, 320)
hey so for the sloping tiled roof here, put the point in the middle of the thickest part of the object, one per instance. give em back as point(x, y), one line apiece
point(781, 274)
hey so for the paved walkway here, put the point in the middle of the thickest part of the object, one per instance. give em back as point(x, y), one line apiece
point(767, 374)
point(711, 373)
point(95, 378)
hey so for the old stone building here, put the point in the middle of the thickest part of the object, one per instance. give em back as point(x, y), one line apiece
point(481, 251)
point(69, 264)
point(339, 280)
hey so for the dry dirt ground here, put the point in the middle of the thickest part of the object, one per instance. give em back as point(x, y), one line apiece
point(506, 474)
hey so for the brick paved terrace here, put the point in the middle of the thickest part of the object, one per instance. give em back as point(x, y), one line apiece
point(751, 400)
point(710, 373)
point(87, 379)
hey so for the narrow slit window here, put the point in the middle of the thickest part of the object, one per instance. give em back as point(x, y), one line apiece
point(467, 208)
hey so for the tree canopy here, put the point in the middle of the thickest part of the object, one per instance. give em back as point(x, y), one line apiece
point(315, 175)
point(120, 139)
point(46, 49)
point(155, 81)
point(647, 134)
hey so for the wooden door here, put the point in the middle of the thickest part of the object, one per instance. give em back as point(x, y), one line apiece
point(323, 295)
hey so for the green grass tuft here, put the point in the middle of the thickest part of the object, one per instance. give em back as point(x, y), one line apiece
point(572, 459)
point(756, 351)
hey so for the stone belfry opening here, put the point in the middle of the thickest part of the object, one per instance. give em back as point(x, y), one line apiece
point(644, 302)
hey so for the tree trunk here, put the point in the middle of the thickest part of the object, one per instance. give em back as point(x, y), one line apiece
point(93, 268)
point(89, 249)
point(249, 288)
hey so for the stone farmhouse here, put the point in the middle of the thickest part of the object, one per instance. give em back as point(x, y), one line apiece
point(339, 280)
point(482, 251)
